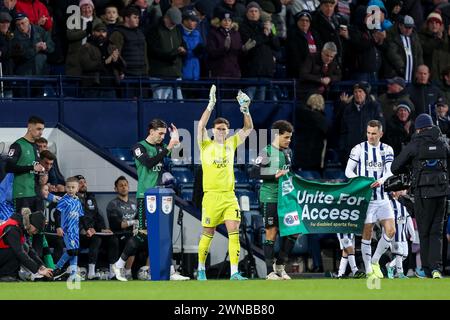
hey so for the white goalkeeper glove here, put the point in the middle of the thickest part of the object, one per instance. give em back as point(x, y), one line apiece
point(244, 102)
point(212, 98)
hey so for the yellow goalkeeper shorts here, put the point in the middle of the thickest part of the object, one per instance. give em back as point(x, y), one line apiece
point(217, 207)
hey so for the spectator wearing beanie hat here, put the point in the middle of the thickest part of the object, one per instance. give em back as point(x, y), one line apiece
point(237, 9)
point(302, 41)
point(432, 37)
point(399, 127)
point(441, 117)
point(223, 54)
point(396, 92)
point(78, 31)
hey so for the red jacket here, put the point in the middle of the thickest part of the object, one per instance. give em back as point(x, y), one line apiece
point(7, 223)
point(34, 9)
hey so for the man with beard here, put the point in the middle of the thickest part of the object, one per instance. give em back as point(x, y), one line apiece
point(101, 64)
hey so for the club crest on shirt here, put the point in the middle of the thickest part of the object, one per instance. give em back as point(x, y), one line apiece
point(11, 152)
point(137, 152)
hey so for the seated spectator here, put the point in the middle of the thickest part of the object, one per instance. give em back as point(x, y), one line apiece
point(36, 12)
point(56, 180)
point(224, 47)
point(441, 117)
point(111, 18)
point(260, 42)
point(399, 127)
point(404, 51)
point(319, 72)
point(301, 42)
point(422, 92)
point(357, 111)
point(396, 92)
point(166, 52)
point(121, 213)
point(101, 64)
point(432, 37)
point(310, 135)
point(194, 45)
point(78, 32)
point(236, 8)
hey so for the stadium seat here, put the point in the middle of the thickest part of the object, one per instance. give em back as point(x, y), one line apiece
point(187, 193)
point(258, 229)
point(183, 175)
point(123, 154)
point(329, 112)
point(309, 174)
point(333, 174)
point(254, 203)
point(241, 178)
point(332, 158)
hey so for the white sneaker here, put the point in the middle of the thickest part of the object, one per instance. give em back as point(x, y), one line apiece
point(119, 272)
point(178, 277)
point(273, 276)
point(95, 276)
point(279, 269)
point(410, 273)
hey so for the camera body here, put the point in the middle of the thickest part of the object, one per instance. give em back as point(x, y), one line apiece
point(397, 183)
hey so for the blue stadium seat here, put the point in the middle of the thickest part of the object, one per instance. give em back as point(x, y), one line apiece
point(187, 193)
point(309, 174)
point(258, 229)
point(123, 154)
point(241, 178)
point(183, 175)
point(300, 246)
point(333, 174)
point(253, 198)
point(332, 158)
point(329, 112)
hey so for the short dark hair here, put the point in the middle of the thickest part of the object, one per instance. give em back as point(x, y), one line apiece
point(283, 126)
point(156, 124)
point(220, 121)
point(46, 154)
point(35, 120)
point(130, 10)
point(119, 179)
point(41, 140)
point(375, 123)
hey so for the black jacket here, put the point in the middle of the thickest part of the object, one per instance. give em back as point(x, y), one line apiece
point(396, 135)
point(92, 217)
point(431, 180)
point(424, 96)
point(12, 235)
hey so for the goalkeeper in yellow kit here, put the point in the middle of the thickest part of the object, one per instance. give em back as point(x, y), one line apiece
point(219, 201)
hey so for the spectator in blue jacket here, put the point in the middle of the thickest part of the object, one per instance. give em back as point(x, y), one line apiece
point(194, 45)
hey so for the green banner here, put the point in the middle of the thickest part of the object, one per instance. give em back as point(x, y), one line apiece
point(312, 207)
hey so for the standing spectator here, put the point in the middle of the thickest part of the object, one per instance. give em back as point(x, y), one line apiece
point(203, 27)
point(432, 37)
point(357, 112)
point(236, 8)
point(399, 127)
point(149, 14)
point(441, 117)
point(385, 23)
point(224, 47)
point(326, 24)
point(310, 136)
point(30, 47)
point(194, 45)
point(111, 18)
point(318, 72)
point(422, 92)
point(166, 52)
point(393, 8)
point(36, 12)
point(5, 50)
point(299, 5)
point(404, 51)
point(396, 92)
point(301, 42)
point(92, 222)
point(77, 34)
point(444, 83)
point(101, 64)
point(258, 59)
point(23, 161)
point(121, 212)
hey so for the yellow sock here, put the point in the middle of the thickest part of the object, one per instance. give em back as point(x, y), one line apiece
point(203, 249)
point(233, 248)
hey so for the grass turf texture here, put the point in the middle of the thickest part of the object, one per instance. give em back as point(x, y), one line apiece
point(223, 289)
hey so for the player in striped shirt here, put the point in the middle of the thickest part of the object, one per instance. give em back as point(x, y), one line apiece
point(71, 210)
point(403, 223)
point(373, 159)
point(347, 245)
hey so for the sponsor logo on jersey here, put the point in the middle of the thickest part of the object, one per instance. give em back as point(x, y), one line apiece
point(137, 152)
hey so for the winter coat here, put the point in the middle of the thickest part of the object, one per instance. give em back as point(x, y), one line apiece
point(34, 9)
point(430, 42)
point(328, 31)
point(195, 46)
point(389, 100)
point(258, 61)
point(396, 135)
point(224, 63)
point(423, 96)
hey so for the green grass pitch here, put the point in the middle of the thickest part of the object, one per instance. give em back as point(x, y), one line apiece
point(297, 289)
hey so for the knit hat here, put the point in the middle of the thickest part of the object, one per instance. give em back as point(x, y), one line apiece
point(37, 219)
point(397, 80)
point(363, 85)
point(253, 4)
point(190, 15)
point(174, 14)
point(423, 121)
point(100, 27)
point(441, 102)
point(89, 2)
point(434, 16)
point(224, 14)
point(20, 16)
point(404, 105)
point(5, 16)
point(303, 13)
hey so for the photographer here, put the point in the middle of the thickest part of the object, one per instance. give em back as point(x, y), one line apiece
point(428, 153)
